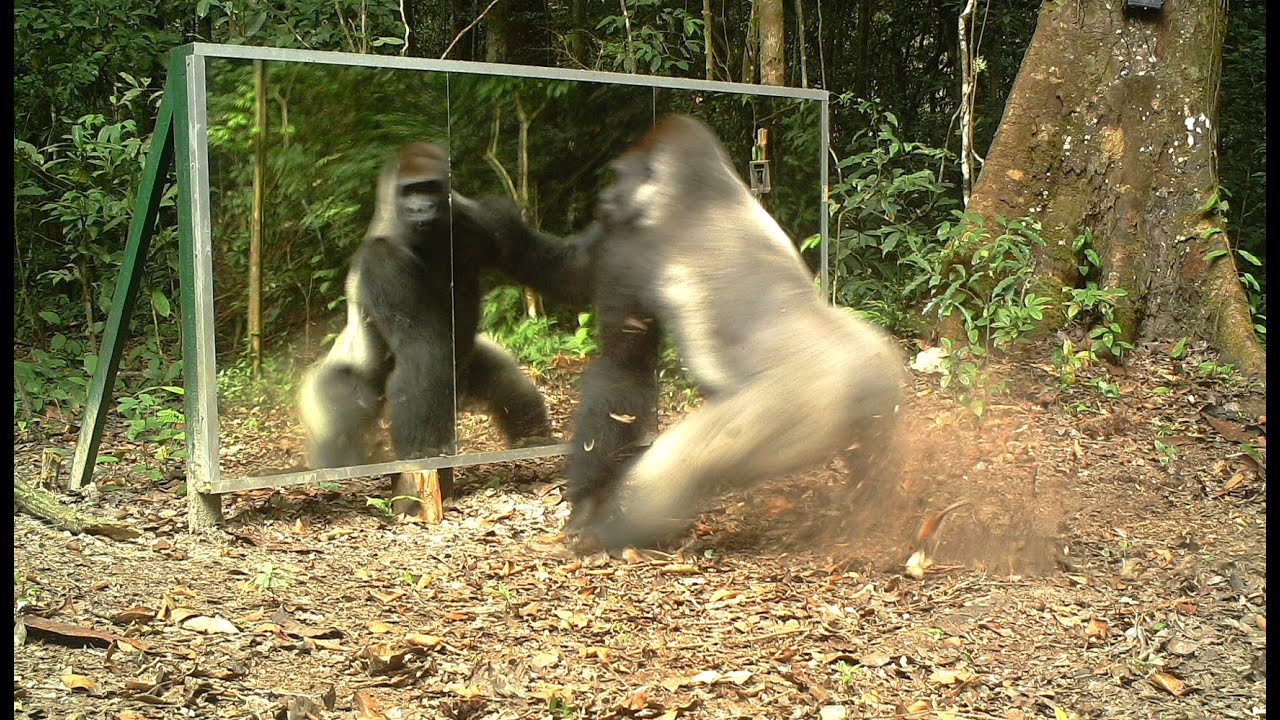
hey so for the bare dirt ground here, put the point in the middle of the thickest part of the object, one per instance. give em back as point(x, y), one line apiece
point(1109, 561)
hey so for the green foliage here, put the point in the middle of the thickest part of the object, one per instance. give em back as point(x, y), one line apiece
point(535, 341)
point(990, 287)
point(154, 415)
point(1095, 304)
point(1166, 453)
point(268, 578)
point(383, 505)
point(664, 39)
point(1253, 288)
point(47, 378)
point(1242, 142)
point(847, 673)
point(1213, 370)
point(560, 707)
point(347, 25)
point(275, 386)
point(887, 202)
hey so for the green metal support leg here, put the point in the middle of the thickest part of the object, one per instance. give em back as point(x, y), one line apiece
point(141, 230)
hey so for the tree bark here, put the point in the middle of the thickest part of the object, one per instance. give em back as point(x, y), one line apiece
point(578, 32)
point(804, 64)
point(772, 43)
point(862, 80)
point(751, 44)
point(258, 225)
point(708, 42)
point(516, 32)
point(1111, 127)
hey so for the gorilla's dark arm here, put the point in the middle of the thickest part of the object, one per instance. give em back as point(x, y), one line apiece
point(561, 268)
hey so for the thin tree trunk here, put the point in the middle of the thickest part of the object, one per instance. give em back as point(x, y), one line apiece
point(707, 39)
point(773, 33)
point(532, 304)
point(804, 66)
point(631, 47)
point(577, 44)
point(1110, 127)
point(968, 84)
point(751, 45)
point(861, 82)
point(259, 221)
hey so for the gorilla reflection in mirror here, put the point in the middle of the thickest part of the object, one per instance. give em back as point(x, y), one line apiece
point(789, 381)
point(413, 306)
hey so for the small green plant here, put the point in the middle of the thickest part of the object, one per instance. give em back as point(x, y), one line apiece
point(1166, 453)
point(154, 415)
point(46, 377)
point(1217, 206)
point(501, 590)
point(1069, 360)
point(535, 341)
point(560, 707)
point(384, 505)
point(846, 672)
point(268, 578)
point(1095, 303)
point(990, 289)
point(887, 200)
point(1215, 370)
point(28, 593)
point(1111, 391)
point(964, 372)
point(1251, 451)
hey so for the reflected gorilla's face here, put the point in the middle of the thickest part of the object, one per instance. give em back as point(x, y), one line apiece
point(413, 191)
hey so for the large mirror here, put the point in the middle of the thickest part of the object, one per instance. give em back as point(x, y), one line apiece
point(295, 152)
point(547, 145)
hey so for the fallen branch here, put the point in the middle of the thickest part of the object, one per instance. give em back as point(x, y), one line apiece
point(43, 504)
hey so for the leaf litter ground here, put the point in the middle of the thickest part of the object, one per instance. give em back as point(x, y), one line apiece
point(1107, 559)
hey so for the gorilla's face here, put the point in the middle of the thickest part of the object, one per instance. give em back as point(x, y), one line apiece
point(423, 202)
point(622, 202)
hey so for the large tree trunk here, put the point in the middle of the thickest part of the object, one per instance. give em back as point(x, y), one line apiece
point(1111, 127)
point(515, 32)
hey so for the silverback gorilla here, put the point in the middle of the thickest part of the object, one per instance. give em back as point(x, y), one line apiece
point(789, 381)
point(413, 305)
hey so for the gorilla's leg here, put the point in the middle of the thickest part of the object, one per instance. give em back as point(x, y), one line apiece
point(757, 431)
point(339, 407)
point(420, 397)
point(420, 401)
point(618, 408)
point(510, 396)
